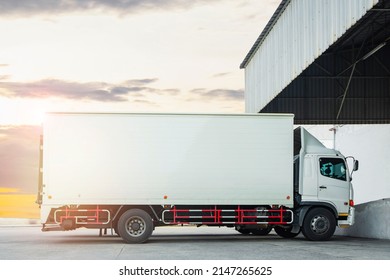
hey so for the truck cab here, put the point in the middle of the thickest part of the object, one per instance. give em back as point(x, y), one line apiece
point(322, 184)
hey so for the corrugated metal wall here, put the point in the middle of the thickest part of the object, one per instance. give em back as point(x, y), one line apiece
point(315, 96)
point(302, 33)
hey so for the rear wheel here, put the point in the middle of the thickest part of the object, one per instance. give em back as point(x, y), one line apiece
point(244, 231)
point(261, 231)
point(135, 226)
point(285, 232)
point(319, 224)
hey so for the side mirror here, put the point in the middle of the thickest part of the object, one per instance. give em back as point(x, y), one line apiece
point(355, 165)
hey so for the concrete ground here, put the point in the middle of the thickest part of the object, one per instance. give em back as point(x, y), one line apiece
point(181, 243)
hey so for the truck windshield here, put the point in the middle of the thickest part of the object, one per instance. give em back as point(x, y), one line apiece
point(333, 168)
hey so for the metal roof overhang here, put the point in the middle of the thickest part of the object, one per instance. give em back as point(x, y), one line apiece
point(347, 84)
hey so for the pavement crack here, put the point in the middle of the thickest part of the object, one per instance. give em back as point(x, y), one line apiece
point(120, 252)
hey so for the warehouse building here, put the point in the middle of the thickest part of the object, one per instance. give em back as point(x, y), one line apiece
point(328, 62)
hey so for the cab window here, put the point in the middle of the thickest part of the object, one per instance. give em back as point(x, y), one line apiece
point(333, 168)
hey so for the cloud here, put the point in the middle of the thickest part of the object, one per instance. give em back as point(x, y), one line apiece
point(145, 102)
point(96, 91)
point(36, 7)
point(219, 75)
point(138, 82)
point(224, 94)
point(4, 77)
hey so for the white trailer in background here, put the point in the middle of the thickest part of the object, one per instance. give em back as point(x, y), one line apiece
point(133, 172)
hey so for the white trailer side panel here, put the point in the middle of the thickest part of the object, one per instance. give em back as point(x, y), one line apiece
point(167, 159)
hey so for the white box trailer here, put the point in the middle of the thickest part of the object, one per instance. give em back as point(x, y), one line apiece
point(132, 172)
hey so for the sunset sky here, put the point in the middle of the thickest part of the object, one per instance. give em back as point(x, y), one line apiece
point(134, 55)
point(115, 56)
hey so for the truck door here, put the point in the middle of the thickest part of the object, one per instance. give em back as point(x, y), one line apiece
point(333, 182)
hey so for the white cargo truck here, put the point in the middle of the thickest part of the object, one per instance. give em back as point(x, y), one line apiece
point(133, 172)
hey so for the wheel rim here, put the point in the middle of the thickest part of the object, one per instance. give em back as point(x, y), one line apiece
point(320, 224)
point(135, 226)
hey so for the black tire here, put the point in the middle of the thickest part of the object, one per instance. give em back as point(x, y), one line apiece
point(261, 231)
point(244, 231)
point(319, 224)
point(285, 232)
point(135, 226)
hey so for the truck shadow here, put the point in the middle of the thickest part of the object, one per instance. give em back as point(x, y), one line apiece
point(181, 239)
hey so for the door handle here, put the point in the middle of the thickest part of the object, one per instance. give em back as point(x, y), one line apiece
point(323, 187)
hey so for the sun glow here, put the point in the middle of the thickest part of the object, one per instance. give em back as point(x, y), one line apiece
point(9, 190)
point(22, 111)
point(16, 205)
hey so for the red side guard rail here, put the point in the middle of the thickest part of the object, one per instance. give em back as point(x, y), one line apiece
point(236, 216)
point(92, 216)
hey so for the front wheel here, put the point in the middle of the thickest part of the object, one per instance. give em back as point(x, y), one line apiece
point(135, 226)
point(319, 224)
